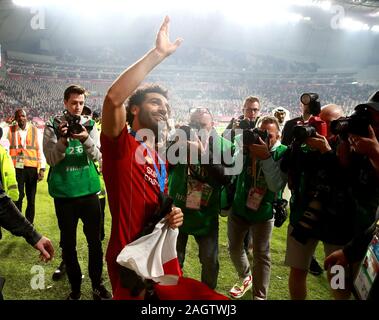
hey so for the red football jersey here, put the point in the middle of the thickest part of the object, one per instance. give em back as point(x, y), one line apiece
point(132, 190)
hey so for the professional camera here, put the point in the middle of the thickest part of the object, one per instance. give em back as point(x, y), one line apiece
point(279, 209)
point(357, 123)
point(75, 123)
point(245, 124)
point(303, 131)
point(309, 224)
point(308, 129)
point(241, 123)
point(251, 136)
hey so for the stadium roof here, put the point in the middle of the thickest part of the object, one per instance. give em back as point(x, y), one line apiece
point(71, 27)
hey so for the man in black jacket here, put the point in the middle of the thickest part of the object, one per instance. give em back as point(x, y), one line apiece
point(356, 249)
point(12, 220)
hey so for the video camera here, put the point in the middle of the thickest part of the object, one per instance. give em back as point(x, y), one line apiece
point(303, 131)
point(357, 123)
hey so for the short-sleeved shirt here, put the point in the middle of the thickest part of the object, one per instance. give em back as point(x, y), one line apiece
point(132, 190)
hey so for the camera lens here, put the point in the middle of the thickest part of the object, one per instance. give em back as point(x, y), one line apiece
point(302, 132)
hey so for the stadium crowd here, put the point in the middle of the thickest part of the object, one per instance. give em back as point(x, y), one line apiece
point(41, 96)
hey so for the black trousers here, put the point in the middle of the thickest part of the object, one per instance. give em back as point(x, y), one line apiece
point(27, 184)
point(68, 212)
point(102, 227)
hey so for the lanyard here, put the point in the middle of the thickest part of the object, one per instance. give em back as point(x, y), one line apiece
point(254, 171)
point(161, 176)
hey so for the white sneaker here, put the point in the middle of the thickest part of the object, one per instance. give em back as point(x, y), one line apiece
point(239, 290)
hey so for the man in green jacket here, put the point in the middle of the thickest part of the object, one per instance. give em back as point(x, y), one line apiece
point(196, 187)
point(258, 186)
point(71, 145)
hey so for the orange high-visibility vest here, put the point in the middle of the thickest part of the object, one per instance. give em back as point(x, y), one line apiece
point(30, 151)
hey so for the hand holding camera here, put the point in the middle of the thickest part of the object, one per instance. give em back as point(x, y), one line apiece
point(259, 150)
point(72, 126)
point(365, 145)
point(319, 143)
point(81, 136)
point(62, 132)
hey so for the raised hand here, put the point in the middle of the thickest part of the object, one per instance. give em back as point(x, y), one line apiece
point(163, 45)
point(319, 143)
point(261, 150)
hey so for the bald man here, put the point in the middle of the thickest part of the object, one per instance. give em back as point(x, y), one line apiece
point(336, 231)
point(329, 113)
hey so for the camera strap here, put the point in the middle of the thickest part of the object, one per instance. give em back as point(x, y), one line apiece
point(256, 176)
point(162, 174)
point(256, 194)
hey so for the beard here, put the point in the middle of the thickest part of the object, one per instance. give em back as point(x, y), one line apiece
point(150, 120)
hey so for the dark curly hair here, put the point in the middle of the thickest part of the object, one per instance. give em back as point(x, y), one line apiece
point(138, 97)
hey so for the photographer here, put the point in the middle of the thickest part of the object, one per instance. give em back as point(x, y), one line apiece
point(134, 186)
point(196, 187)
point(325, 201)
point(258, 186)
point(248, 120)
point(309, 108)
point(71, 145)
point(287, 132)
point(359, 154)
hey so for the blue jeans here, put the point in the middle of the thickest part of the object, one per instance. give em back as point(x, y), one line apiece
point(208, 255)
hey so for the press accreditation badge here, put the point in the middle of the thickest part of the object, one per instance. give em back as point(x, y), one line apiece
point(206, 193)
point(194, 191)
point(368, 270)
point(255, 197)
point(20, 161)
